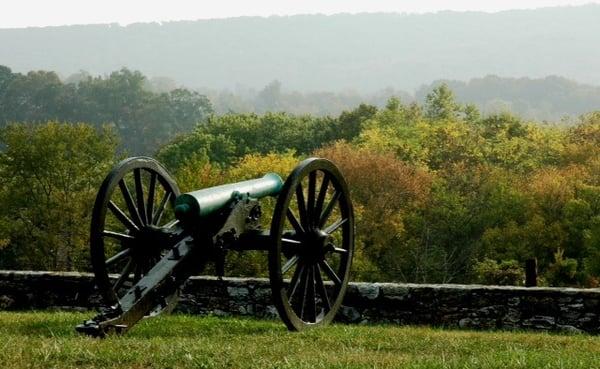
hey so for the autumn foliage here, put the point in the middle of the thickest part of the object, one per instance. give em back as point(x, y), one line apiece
point(441, 193)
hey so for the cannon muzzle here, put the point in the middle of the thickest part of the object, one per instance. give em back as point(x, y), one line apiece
point(202, 203)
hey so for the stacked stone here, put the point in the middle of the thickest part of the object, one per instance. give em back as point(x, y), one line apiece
point(22, 290)
point(227, 296)
point(475, 306)
point(461, 306)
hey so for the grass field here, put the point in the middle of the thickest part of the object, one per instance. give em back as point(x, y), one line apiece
point(47, 340)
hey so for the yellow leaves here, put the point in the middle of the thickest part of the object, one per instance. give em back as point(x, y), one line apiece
point(588, 130)
point(197, 174)
point(552, 188)
point(384, 190)
point(257, 165)
point(4, 242)
point(376, 138)
point(584, 140)
point(200, 173)
point(378, 177)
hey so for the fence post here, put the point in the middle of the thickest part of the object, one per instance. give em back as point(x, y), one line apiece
point(531, 273)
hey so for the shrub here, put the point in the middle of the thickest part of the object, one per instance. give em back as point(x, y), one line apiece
point(504, 273)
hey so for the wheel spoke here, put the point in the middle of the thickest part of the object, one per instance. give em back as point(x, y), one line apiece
point(321, 197)
point(332, 228)
point(289, 241)
point(312, 180)
point(151, 192)
point(304, 283)
point(161, 208)
point(294, 222)
point(171, 223)
point(321, 288)
point(294, 282)
point(329, 208)
point(139, 195)
point(118, 256)
point(133, 212)
point(339, 250)
point(311, 297)
point(135, 193)
point(290, 246)
point(329, 271)
point(118, 236)
point(124, 219)
point(289, 264)
point(302, 207)
point(138, 272)
point(124, 275)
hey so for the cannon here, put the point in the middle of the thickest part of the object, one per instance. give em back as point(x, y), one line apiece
point(147, 239)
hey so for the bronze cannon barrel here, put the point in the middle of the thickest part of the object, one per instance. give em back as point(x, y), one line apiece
point(202, 203)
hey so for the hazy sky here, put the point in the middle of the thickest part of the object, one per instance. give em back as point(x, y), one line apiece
point(24, 13)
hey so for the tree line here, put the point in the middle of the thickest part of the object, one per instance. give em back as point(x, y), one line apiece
point(442, 192)
point(141, 118)
point(552, 98)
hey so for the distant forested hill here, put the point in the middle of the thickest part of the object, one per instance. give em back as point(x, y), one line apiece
point(364, 52)
point(550, 98)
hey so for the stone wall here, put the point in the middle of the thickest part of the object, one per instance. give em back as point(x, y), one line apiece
point(464, 306)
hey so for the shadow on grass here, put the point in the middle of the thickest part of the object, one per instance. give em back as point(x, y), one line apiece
point(60, 324)
point(45, 324)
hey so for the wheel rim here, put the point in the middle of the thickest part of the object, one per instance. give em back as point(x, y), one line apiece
point(133, 209)
point(312, 245)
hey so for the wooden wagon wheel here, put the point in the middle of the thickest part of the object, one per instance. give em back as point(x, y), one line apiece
point(312, 242)
point(133, 208)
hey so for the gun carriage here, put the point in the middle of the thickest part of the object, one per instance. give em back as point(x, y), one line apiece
point(147, 239)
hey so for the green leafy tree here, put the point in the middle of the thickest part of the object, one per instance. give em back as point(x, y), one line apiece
point(34, 97)
point(350, 123)
point(50, 175)
point(440, 104)
point(225, 139)
point(563, 271)
point(6, 77)
point(143, 119)
point(506, 272)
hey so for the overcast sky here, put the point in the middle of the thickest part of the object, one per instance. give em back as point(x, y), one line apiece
point(24, 13)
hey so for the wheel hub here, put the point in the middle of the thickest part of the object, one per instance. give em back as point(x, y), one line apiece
point(148, 241)
point(314, 245)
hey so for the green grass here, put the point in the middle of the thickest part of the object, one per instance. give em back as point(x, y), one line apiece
point(47, 340)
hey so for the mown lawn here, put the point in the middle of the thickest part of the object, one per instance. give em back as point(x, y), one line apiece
point(47, 340)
